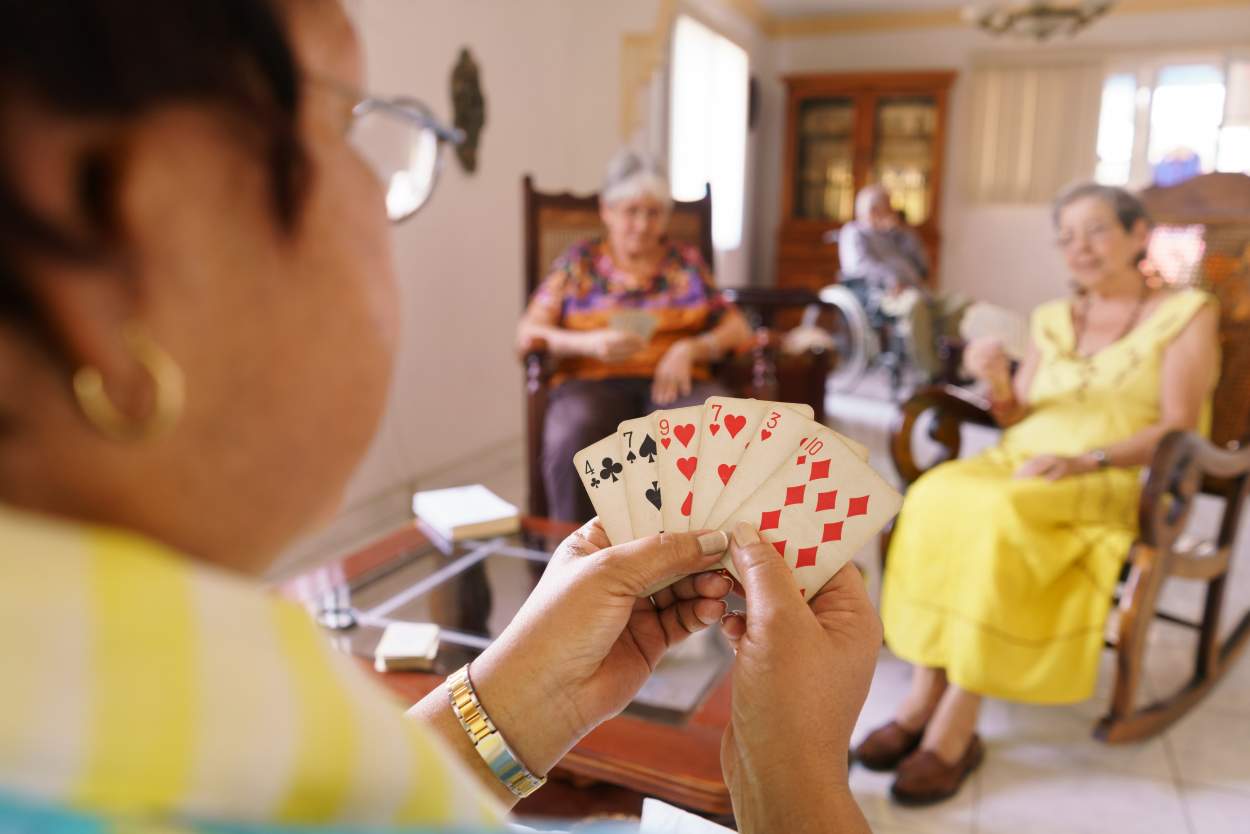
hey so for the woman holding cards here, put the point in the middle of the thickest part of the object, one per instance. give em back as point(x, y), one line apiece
point(1002, 566)
point(181, 206)
point(634, 319)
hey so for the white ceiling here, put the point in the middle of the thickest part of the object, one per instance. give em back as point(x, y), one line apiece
point(804, 8)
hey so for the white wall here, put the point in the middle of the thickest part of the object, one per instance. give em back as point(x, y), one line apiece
point(550, 73)
point(995, 252)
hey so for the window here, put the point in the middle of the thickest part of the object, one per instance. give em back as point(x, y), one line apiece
point(1163, 122)
point(1234, 148)
point(708, 125)
point(1115, 128)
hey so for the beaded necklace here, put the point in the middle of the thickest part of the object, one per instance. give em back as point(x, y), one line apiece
point(1083, 317)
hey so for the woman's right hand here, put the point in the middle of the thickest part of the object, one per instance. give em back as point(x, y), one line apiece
point(986, 360)
point(800, 679)
point(609, 345)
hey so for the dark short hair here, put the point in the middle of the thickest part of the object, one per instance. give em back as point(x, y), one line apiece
point(1126, 205)
point(118, 59)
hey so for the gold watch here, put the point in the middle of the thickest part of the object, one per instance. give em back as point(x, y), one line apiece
point(486, 739)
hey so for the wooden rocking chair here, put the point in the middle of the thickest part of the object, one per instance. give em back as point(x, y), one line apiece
point(1214, 211)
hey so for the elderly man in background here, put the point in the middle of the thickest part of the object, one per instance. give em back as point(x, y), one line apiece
point(885, 264)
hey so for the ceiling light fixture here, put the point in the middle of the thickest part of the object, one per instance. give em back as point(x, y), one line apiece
point(1036, 20)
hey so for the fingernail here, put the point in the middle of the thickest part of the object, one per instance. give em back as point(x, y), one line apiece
point(713, 542)
point(724, 574)
point(745, 534)
point(715, 617)
point(725, 617)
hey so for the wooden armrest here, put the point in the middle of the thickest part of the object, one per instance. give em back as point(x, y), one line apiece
point(765, 339)
point(769, 297)
point(534, 346)
point(1183, 462)
point(762, 304)
point(951, 407)
point(537, 362)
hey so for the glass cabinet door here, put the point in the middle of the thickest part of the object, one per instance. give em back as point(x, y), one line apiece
point(824, 187)
point(903, 152)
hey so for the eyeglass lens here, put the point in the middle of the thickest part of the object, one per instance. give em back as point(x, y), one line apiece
point(403, 154)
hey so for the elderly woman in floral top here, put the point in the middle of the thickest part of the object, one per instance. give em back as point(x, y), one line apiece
point(607, 374)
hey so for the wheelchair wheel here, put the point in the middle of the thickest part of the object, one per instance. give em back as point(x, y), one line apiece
point(853, 336)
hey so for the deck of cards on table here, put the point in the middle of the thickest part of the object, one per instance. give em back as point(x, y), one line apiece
point(807, 489)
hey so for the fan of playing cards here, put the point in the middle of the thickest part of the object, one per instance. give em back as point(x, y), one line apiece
point(808, 489)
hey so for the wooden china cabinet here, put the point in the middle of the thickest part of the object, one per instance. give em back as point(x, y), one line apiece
point(844, 131)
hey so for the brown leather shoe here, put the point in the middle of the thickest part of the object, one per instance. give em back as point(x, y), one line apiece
point(923, 778)
point(886, 746)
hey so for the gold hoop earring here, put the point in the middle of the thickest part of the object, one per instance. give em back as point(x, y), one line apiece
point(166, 376)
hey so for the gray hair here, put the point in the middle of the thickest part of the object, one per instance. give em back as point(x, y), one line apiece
point(632, 173)
point(868, 197)
point(1126, 205)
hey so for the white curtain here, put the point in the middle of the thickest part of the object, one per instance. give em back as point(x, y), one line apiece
point(1237, 97)
point(1034, 129)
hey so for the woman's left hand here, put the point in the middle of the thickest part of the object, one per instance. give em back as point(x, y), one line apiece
point(585, 641)
point(1054, 467)
point(673, 373)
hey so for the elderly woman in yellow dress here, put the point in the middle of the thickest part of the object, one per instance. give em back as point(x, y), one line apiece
point(197, 327)
point(1002, 566)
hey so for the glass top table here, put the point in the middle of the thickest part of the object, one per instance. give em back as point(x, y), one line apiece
point(667, 742)
point(472, 590)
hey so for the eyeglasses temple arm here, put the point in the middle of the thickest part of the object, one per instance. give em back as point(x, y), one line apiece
point(453, 135)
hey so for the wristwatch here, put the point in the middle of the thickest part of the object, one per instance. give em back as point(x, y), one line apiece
point(486, 739)
point(1100, 458)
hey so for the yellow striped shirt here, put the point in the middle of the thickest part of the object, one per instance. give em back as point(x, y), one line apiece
point(139, 682)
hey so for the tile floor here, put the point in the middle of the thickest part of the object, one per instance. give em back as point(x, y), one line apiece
point(1045, 774)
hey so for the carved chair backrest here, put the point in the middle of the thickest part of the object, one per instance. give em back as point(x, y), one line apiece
point(556, 221)
point(1202, 238)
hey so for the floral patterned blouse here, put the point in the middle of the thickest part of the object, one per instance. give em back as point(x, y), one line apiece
point(585, 289)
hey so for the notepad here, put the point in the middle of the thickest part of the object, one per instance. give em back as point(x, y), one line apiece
point(468, 512)
point(407, 647)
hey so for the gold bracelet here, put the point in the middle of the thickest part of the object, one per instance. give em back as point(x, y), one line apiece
point(487, 740)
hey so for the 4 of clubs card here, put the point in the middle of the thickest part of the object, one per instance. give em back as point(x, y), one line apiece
point(600, 468)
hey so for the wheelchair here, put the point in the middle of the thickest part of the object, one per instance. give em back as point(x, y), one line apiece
point(865, 336)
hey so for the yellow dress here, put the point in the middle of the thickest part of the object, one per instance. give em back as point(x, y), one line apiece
point(1005, 583)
